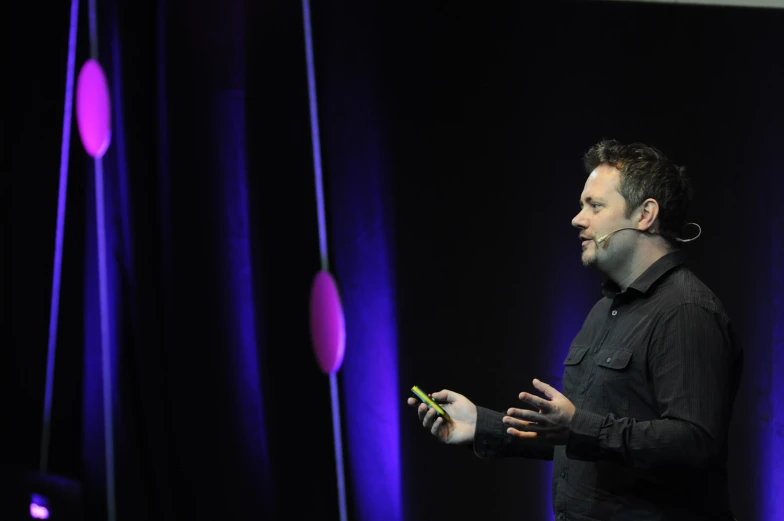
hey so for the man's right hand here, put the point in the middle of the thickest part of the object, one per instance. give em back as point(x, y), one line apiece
point(461, 429)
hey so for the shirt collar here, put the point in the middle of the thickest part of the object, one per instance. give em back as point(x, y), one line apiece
point(654, 272)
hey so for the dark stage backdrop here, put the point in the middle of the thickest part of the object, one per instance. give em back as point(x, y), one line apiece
point(452, 137)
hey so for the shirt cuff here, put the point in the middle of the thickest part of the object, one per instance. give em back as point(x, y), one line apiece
point(490, 438)
point(583, 443)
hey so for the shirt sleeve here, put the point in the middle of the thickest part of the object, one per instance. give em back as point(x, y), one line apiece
point(491, 439)
point(692, 362)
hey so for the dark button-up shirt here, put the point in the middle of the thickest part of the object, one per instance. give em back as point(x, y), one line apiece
point(653, 374)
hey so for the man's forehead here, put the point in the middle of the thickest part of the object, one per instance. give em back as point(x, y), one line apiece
point(602, 182)
point(604, 172)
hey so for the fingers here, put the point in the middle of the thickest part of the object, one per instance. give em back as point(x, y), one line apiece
point(531, 416)
point(444, 396)
point(540, 403)
point(436, 425)
point(524, 429)
point(523, 425)
point(422, 411)
point(545, 389)
point(413, 402)
point(429, 418)
point(524, 434)
point(426, 415)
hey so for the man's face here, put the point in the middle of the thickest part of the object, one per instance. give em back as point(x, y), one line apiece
point(602, 210)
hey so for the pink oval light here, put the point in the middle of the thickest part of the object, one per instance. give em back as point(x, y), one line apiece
point(327, 324)
point(93, 110)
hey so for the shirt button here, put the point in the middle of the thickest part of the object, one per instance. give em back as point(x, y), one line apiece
point(563, 474)
point(615, 312)
point(561, 517)
point(609, 359)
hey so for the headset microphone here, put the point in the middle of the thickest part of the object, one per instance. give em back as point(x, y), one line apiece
point(607, 236)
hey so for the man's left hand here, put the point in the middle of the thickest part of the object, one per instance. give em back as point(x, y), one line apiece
point(552, 421)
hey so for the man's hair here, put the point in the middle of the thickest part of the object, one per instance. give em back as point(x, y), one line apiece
point(647, 173)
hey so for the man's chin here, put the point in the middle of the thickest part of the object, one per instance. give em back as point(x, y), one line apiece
point(589, 261)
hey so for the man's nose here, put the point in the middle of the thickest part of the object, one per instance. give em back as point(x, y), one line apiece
point(579, 221)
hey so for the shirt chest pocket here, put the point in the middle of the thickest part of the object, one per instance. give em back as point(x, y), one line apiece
point(613, 384)
point(613, 358)
point(574, 369)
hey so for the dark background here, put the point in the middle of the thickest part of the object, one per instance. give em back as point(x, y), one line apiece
point(471, 121)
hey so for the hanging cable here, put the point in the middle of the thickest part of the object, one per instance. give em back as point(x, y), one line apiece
point(322, 227)
point(103, 296)
point(54, 309)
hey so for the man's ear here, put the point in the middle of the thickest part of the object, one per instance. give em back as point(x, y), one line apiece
point(649, 213)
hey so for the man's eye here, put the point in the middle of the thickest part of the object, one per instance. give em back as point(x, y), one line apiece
point(595, 205)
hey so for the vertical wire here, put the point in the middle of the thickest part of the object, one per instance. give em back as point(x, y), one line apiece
point(322, 227)
point(333, 387)
point(54, 309)
point(103, 291)
point(103, 295)
point(93, 30)
point(315, 138)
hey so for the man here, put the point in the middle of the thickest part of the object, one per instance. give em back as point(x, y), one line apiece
point(640, 431)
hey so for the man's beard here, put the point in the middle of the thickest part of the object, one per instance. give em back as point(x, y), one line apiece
point(589, 259)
